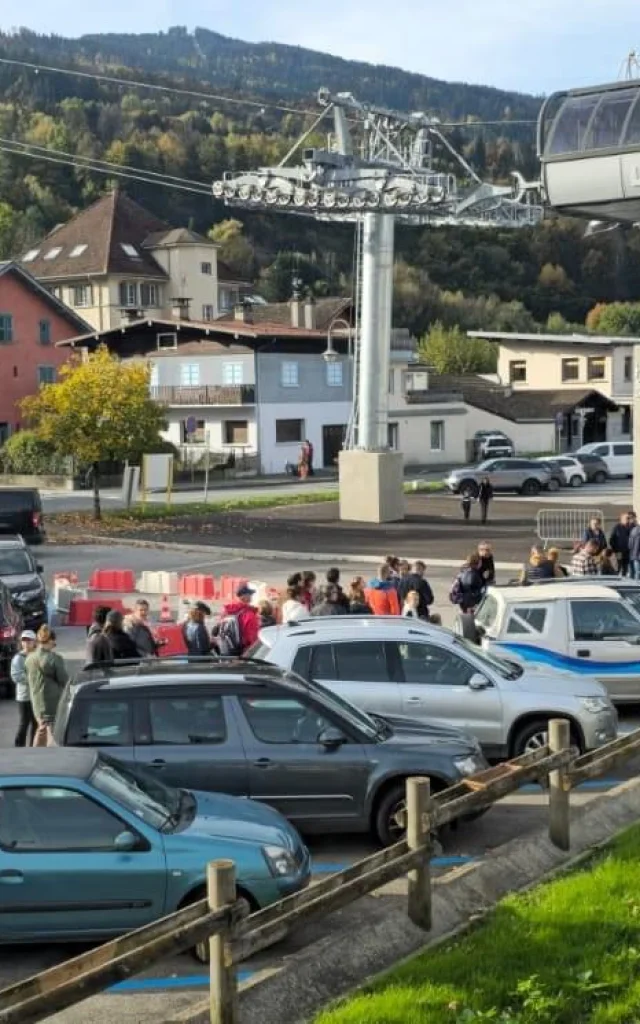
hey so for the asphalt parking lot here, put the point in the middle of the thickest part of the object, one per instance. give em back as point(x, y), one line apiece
point(179, 979)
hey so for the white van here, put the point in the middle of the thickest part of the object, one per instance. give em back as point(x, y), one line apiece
point(618, 455)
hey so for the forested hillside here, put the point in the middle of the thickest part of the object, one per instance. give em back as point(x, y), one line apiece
point(447, 274)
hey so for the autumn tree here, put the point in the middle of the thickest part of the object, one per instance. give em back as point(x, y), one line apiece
point(235, 249)
point(615, 318)
point(449, 350)
point(99, 410)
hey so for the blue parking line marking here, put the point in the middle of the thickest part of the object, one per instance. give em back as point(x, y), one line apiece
point(534, 787)
point(328, 867)
point(183, 981)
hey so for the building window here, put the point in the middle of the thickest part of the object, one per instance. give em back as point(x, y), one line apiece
point(167, 340)
point(130, 250)
point(128, 294)
point(6, 327)
point(189, 375)
point(207, 313)
point(416, 381)
point(437, 435)
point(334, 375)
point(628, 369)
point(392, 436)
point(517, 371)
point(289, 431)
point(205, 268)
point(51, 255)
point(236, 432)
point(232, 374)
point(30, 256)
point(149, 296)
point(81, 295)
point(193, 431)
point(392, 383)
point(570, 369)
point(46, 374)
point(153, 375)
point(77, 250)
point(289, 376)
point(226, 298)
point(44, 328)
point(595, 368)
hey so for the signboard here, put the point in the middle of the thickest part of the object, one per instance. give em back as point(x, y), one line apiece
point(157, 472)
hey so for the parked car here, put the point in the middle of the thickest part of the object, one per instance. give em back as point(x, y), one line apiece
point(596, 468)
point(617, 455)
point(22, 576)
point(250, 729)
point(628, 588)
point(525, 476)
point(100, 849)
point(11, 626)
point(572, 471)
point(391, 665)
point(557, 475)
point(21, 513)
point(584, 629)
point(496, 446)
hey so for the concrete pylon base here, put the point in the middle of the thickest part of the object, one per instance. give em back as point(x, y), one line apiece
point(371, 486)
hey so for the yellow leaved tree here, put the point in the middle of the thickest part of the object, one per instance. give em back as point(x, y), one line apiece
point(99, 410)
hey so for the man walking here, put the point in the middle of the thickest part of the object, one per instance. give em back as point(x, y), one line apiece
point(619, 542)
point(26, 721)
point(137, 626)
point(485, 494)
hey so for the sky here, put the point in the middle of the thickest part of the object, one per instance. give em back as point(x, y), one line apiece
point(532, 47)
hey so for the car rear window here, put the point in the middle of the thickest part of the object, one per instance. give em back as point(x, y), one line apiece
point(13, 500)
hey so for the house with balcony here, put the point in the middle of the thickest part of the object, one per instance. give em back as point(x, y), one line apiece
point(255, 384)
point(115, 260)
point(588, 377)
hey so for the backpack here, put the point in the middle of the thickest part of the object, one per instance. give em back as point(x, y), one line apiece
point(455, 594)
point(229, 639)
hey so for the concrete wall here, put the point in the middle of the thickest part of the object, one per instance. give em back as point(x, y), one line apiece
point(186, 280)
point(415, 434)
point(211, 368)
point(273, 455)
point(213, 419)
point(527, 437)
point(544, 366)
point(313, 379)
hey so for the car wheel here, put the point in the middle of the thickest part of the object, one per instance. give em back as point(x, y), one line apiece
point(390, 823)
point(600, 477)
point(535, 735)
point(469, 487)
point(465, 625)
point(554, 485)
point(576, 481)
point(200, 951)
point(531, 487)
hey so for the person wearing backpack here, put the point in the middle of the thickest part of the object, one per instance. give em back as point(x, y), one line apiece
point(239, 624)
point(468, 586)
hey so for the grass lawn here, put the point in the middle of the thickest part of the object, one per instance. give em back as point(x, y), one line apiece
point(565, 953)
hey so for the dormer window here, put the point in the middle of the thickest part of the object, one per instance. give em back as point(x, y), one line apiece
point(51, 255)
point(167, 340)
point(130, 250)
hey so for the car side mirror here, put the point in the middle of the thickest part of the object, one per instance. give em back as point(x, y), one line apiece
point(39, 568)
point(125, 842)
point(478, 682)
point(331, 738)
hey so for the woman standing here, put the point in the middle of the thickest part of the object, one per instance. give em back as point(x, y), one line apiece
point(26, 722)
point(485, 494)
point(194, 631)
point(358, 604)
point(47, 677)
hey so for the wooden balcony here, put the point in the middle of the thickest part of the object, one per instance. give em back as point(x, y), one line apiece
point(205, 394)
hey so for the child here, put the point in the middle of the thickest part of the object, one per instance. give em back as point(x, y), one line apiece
point(465, 505)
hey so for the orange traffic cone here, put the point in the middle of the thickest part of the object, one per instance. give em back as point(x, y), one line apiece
point(166, 614)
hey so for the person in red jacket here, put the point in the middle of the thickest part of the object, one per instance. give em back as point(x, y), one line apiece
point(239, 623)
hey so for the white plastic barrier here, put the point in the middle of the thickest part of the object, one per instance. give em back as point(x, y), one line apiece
point(158, 583)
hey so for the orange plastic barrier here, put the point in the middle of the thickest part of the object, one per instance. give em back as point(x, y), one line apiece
point(81, 609)
point(382, 602)
point(198, 587)
point(113, 581)
point(172, 633)
point(228, 587)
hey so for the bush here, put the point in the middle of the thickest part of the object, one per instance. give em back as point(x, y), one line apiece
point(25, 453)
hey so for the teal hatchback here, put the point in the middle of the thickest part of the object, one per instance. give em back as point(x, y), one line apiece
point(90, 848)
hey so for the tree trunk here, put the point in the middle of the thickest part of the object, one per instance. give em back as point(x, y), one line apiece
point(97, 511)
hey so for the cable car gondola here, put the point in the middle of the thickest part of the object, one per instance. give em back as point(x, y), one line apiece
point(589, 148)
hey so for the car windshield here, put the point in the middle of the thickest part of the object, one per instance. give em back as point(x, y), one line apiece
point(15, 562)
point(505, 668)
point(340, 707)
point(631, 595)
point(141, 793)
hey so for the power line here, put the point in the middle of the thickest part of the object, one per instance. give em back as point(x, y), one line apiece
point(198, 94)
point(110, 171)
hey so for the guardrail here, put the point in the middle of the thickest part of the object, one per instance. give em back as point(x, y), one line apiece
point(565, 524)
point(233, 935)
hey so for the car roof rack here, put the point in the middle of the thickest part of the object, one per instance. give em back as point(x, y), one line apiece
point(148, 662)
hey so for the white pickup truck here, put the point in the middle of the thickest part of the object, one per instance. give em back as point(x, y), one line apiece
point(583, 628)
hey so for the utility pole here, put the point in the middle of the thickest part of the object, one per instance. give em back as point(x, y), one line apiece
point(378, 168)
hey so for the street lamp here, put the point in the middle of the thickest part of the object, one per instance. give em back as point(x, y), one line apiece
point(330, 355)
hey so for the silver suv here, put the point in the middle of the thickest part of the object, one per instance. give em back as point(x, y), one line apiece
point(396, 666)
point(521, 475)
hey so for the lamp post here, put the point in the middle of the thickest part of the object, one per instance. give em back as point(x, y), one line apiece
point(330, 355)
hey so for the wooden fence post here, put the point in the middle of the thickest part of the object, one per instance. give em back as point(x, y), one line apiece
point(221, 890)
point(419, 838)
point(559, 788)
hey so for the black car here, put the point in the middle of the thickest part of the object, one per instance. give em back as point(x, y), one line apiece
point(251, 729)
point(22, 576)
point(10, 628)
point(596, 468)
point(21, 513)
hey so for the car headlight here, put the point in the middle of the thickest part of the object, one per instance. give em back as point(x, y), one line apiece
point(595, 704)
point(469, 765)
point(281, 862)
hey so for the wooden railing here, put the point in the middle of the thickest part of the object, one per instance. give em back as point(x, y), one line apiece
point(233, 935)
